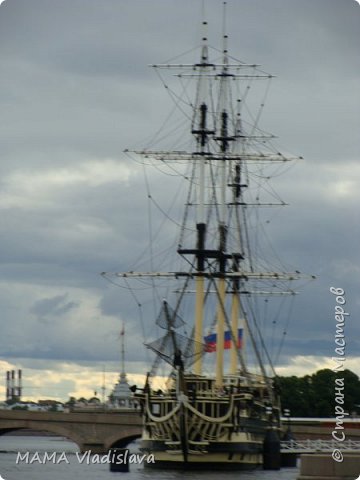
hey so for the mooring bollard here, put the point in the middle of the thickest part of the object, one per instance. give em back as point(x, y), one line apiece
point(271, 451)
point(288, 459)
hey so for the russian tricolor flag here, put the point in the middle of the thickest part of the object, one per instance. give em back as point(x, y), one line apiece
point(210, 340)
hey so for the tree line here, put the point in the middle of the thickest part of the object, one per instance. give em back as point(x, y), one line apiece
point(314, 395)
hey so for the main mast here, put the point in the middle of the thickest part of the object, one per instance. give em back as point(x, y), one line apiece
point(235, 306)
point(223, 141)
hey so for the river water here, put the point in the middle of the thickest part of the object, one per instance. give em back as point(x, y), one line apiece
point(15, 466)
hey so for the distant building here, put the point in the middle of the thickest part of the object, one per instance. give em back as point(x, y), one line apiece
point(53, 405)
point(13, 387)
point(122, 396)
point(30, 406)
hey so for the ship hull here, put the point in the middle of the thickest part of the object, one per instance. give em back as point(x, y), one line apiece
point(221, 455)
point(181, 433)
point(213, 462)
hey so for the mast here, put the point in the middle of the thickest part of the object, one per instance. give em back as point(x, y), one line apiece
point(235, 308)
point(236, 196)
point(223, 140)
point(200, 131)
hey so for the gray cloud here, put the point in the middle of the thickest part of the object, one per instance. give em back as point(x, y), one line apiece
point(55, 306)
point(75, 91)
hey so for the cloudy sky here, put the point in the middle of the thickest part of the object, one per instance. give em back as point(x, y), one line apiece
point(75, 91)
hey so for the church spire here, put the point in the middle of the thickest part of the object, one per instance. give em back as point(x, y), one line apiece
point(122, 338)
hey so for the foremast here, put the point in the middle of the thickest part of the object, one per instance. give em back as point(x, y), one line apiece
point(201, 132)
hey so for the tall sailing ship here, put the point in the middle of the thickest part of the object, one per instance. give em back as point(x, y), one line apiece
point(213, 414)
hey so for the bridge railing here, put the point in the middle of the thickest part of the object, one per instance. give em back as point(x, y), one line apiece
point(309, 446)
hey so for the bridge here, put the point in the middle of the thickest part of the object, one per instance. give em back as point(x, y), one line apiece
point(100, 431)
point(319, 446)
point(321, 428)
point(97, 432)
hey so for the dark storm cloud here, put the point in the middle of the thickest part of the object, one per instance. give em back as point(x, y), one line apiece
point(56, 306)
point(75, 91)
